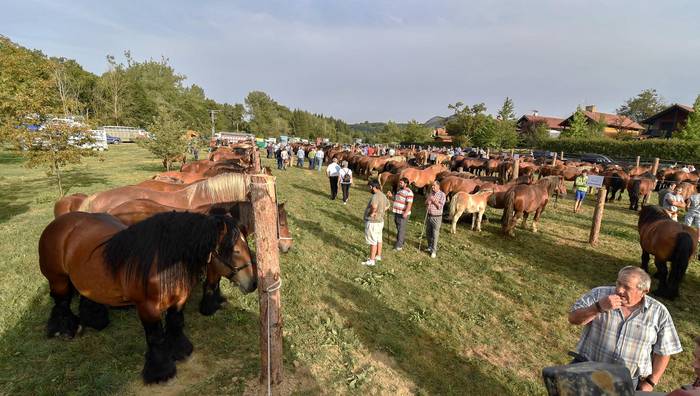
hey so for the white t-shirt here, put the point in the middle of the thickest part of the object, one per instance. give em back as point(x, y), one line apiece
point(333, 169)
point(319, 154)
point(284, 154)
point(342, 173)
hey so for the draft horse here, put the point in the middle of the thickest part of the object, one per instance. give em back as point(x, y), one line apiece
point(523, 199)
point(667, 240)
point(153, 265)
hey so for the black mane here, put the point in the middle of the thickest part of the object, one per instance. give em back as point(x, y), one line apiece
point(652, 213)
point(177, 243)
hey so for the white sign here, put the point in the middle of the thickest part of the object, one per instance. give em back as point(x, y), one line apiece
point(516, 156)
point(595, 181)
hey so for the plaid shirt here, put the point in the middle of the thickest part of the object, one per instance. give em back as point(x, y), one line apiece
point(435, 208)
point(610, 338)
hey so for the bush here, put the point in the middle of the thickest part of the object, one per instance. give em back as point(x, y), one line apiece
point(668, 150)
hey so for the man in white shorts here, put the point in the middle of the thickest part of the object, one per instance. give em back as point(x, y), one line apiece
point(374, 223)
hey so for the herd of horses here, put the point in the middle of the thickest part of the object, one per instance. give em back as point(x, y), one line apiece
point(472, 184)
point(146, 245)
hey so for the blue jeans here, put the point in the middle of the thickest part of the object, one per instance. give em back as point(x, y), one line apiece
point(312, 163)
point(279, 163)
point(300, 162)
point(320, 164)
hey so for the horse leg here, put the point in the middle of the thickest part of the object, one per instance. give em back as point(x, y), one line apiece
point(212, 299)
point(93, 314)
point(662, 274)
point(678, 268)
point(645, 261)
point(523, 225)
point(159, 365)
point(478, 221)
point(178, 343)
point(455, 220)
point(514, 222)
point(536, 219)
point(62, 321)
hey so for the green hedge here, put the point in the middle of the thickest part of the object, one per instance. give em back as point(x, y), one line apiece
point(668, 150)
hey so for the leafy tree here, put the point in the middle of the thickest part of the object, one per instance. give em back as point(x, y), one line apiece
point(416, 132)
point(507, 111)
point(578, 127)
point(644, 105)
point(112, 88)
point(168, 140)
point(691, 129)
point(597, 128)
point(534, 133)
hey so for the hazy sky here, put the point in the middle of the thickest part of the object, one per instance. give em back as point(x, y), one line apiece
point(379, 60)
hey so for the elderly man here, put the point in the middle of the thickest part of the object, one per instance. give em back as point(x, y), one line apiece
point(622, 324)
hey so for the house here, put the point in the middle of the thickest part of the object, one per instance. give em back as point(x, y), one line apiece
point(440, 135)
point(667, 121)
point(613, 123)
point(530, 120)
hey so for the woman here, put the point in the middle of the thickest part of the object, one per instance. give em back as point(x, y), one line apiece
point(345, 180)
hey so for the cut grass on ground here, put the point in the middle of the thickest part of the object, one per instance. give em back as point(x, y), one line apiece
point(482, 318)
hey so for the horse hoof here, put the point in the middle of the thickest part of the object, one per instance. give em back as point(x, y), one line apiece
point(181, 348)
point(158, 373)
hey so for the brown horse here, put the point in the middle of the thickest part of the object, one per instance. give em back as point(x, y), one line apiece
point(523, 199)
point(667, 240)
point(615, 180)
point(422, 177)
point(471, 203)
point(640, 186)
point(230, 187)
point(69, 203)
point(153, 265)
point(453, 184)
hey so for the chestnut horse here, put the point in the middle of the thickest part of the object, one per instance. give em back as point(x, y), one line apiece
point(422, 177)
point(523, 199)
point(640, 186)
point(68, 203)
point(667, 240)
point(153, 265)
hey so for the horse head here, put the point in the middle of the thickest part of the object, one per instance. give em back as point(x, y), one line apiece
point(560, 187)
point(232, 258)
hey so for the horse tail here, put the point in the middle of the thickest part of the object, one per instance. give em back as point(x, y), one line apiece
point(509, 202)
point(453, 206)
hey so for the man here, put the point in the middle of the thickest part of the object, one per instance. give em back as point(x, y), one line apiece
point(673, 201)
point(434, 204)
point(312, 158)
point(300, 157)
point(270, 150)
point(278, 156)
point(319, 158)
point(580, 186)
point(374, 223)
point(392, 152)
point(333, 171)
point(284, 154)
point(623, 325)
point(403, 201)
point(692, 214)
point(662, 193)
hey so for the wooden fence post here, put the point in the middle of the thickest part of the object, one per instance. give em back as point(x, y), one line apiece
point(637, 165)
point(597, 217)
point(488, 152)
point(512, 151)
point(263, 198)
point(554, 160)
point(655, 167)
point(561, 157)
point(257, 166)
point(516, 169)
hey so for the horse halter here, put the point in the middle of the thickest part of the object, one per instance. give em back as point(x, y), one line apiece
point(234, 270)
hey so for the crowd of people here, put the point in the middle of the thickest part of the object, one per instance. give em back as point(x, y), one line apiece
point(620, 324)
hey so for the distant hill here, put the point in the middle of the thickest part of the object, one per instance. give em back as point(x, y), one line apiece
point(437, 121)
point(371, 127)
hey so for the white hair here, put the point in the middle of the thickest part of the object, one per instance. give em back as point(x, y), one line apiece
point(644, 283)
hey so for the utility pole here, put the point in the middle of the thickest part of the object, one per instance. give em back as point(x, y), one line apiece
point(212, 114)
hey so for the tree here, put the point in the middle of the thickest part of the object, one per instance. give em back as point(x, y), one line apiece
point(691, 129)
point(642, 106)
point(416, 132)
point(507, 111)
point(112, 87)
point(578, 127)
point(54, 146)
point(168, 140)
point(534, 133)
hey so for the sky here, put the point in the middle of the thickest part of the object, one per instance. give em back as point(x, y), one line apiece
point(380, 60)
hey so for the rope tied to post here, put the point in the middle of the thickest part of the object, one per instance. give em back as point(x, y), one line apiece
point(270, 289)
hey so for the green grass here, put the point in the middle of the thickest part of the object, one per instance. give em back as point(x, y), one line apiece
point(482, 318)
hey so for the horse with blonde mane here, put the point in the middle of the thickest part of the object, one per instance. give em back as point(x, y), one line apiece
point(471, 203)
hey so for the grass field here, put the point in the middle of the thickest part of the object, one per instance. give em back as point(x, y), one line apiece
point(482, 318)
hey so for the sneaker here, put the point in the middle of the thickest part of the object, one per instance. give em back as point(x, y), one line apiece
point(369, 263)
point(433, 255)
point(398, 249)
point(429, 250)
point(378, 258)
point(345, 202)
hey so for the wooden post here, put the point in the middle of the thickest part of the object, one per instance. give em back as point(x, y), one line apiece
point(257, 166)
point(637, 164)
point(655, 167)
point(561, 157)
point(512, 151)
point(516, 169)
point(597, 217)
point(262, 196)
point(554, 161)
point(488, 152)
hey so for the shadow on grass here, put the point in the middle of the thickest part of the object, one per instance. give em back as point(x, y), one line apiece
point(312, 191)
point(226, 354)
point(155, 168)
point(10, 157)
point(318, 230)
point(433, 367)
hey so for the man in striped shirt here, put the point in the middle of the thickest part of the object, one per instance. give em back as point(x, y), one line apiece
point(623, 325)
point(403, 201)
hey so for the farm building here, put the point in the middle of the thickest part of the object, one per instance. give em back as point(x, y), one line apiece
point(613, 123)
point(440, 135)
point(530, 120)
point(667, 121)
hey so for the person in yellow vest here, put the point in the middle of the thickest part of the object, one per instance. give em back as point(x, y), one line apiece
point(580, 186)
